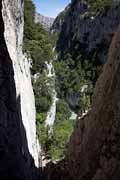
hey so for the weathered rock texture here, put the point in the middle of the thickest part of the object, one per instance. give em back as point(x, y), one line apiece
point(14, 21)
point(45, 21)
point(94, 150)
point(59, 20)
point(18, 148)
point(87, 35)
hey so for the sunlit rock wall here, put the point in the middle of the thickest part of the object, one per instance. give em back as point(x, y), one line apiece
point(14, 21)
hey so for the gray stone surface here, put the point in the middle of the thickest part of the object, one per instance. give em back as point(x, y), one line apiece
point(14, 21)
point(18, 151)
point(45, 21)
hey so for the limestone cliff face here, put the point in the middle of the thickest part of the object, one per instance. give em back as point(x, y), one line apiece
point(14, 22)
point(45, 21)
point(18, 144)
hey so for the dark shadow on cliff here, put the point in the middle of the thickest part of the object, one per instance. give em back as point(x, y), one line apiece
point(16, 162)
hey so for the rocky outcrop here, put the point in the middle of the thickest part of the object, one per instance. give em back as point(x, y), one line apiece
point(18, 143)
point(59, 20)
point(94, 147)
point(87, 35)
point(45, 21)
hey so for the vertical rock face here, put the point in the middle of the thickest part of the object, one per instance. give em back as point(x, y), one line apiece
point(59, 20)
point(94, 151)
point(91, 35)
point(14, 20)
point(18, 148)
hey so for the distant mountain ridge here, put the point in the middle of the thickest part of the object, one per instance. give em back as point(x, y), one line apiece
point(45, 21)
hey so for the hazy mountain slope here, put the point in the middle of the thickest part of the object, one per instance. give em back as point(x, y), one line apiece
point(45, 21)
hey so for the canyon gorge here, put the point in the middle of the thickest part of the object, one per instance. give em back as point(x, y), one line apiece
point(50, 76)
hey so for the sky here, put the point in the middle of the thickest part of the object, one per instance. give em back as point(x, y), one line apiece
point(50, 8)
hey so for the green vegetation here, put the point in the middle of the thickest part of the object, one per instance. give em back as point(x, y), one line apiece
point(38, 45)
point(63, 109)
point(96, 6)
point(55, 145)
point(72, 75)
point(75, 66)
point(37, 42)
point(61, 136)
point(62, 131)
point(42, 132)
point(43, 91)
point(75, 74)
point(43, 97)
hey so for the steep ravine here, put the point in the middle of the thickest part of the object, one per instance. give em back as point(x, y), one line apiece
point(94, 149)
point(93, 152)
